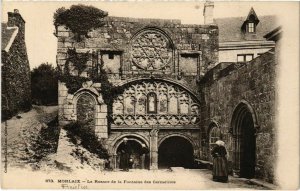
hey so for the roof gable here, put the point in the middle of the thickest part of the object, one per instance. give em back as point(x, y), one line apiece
point(8, 35)
point(252, 13)
point(252, 17)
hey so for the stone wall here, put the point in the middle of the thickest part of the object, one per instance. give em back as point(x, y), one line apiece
point(68, 107)
point(115, 44)
point(227, 85)
point(138, 50)
point(16, 85)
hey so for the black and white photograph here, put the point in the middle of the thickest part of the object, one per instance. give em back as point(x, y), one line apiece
point(176, 95)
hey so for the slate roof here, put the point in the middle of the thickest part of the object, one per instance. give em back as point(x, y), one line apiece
point(6, 35)
point(230, 28)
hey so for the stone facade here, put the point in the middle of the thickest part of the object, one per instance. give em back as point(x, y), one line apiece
point(157, 63)
point(16, 88)
point(172, 88)
point(229, 86)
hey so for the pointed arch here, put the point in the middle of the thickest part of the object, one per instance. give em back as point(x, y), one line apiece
point(244, 126)
point(238, 112)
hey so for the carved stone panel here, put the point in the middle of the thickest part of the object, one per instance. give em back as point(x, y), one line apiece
point(155, 103)
point(141, 104)
point(173, 106)
point(151, 50)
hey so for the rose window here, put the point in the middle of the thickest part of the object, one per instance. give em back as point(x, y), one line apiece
point(151, 51)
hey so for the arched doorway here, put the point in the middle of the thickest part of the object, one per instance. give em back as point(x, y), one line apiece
point(140, 159)
point(175, 152)
point(244, 141)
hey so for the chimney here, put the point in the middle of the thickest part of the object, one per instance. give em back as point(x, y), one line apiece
point(16, 20)
point(208, 12)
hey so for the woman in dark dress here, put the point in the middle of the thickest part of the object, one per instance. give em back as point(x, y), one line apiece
point(125, 155)
point(220, 168)
point(144, 157)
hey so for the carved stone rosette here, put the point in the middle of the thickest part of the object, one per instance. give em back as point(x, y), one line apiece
point(151, 50)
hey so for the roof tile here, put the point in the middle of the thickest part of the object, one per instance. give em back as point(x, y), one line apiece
point(6, 35)
point(230, 28)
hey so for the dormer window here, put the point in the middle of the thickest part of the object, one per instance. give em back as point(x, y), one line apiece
point(251, 27)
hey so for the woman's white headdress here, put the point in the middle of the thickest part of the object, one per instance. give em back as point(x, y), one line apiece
point(220, 143)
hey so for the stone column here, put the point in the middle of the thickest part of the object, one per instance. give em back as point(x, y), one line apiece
point(153, 149)
point(101, 128)
point(114, 161)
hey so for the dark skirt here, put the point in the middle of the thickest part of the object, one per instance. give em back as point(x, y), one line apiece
point(124, 161)
point(220, 169)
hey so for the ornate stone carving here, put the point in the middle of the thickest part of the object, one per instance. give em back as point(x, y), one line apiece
point(151, 50)
point(173, 106)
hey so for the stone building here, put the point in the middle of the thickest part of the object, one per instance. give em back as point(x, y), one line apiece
point(16, 89)
point(157, 63)
point(240, 108)
point(242, 39)
point(173, 95)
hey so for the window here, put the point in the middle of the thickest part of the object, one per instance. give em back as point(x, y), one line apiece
point(249, 57)
point(251, 27)
point(244, 57)
point(240, 58)
point(111, 56)
point(214, 135)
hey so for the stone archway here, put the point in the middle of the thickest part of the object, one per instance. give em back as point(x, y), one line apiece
point(175, 151)
point(244, 149)
point(136, 152)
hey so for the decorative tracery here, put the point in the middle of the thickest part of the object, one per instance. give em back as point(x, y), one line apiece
point(155, 103)
point(151, 50)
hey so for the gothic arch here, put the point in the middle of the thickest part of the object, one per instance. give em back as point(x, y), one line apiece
point(212, 124)
point(178, 135)
point(174, 105)
point(171, 81)
point(239, 110)
point(131, 136)
point(78, 95)
point(244, 128)
point(84, 91)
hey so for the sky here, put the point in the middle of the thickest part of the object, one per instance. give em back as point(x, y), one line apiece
point(41, 43)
